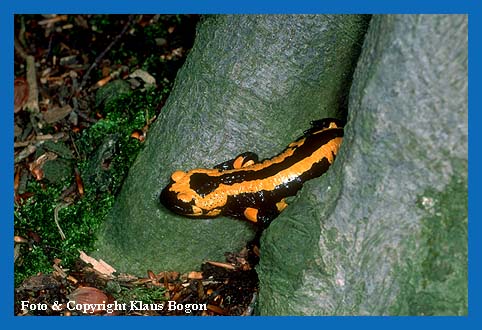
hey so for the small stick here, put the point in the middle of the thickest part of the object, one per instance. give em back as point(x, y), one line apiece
point(25, 153)
point(56, 217)
point(101, 55)
point(39, 138)
point(50, 21)
point(221, 264)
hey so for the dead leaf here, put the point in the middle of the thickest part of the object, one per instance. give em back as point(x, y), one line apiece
point(20, 88)
point(55, 114)
point(216, 309)
point(143, 75)
point(37, 173)
point(138, 135)
point(195, 275)
point(80, 184)
point(90, 297)
point(100, 266)
point(36, 166)
point(20, 239)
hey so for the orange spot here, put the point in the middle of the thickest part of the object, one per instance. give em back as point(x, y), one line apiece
point(184, 197)
point(248, 163)
point(177, 175)
point(196, 210)
point(238, 162)
point(281, 205)
point(251, 214)
point(213, 213)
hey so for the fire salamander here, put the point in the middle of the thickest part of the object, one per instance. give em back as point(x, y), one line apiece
point(246, 188)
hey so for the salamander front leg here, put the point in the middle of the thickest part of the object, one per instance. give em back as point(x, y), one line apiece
point(321, 124)
point(243, 160)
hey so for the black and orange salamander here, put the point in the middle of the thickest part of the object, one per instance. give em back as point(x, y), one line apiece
point(245, 188)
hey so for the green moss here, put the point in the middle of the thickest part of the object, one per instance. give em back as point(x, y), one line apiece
point(59, 148)
point(111, 92)
point(57, 170)
point(146, 295)
point(35, 219)
point(438, 282)
point(102, 170)
point(104, 151)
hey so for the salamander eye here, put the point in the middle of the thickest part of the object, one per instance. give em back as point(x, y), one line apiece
point(178, 175)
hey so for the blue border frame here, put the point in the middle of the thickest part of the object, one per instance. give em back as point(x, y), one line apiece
point(10, 7)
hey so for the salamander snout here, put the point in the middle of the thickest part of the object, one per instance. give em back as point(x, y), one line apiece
point(171, 201)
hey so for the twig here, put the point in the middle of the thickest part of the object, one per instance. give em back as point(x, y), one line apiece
point(21, 32)
point(101, 55)
point(221, 264)
point(74, 145)
point(59, 270)
point(81, 114)
point(40, 138)
point(25, 153)
point(56, 217)
point(51, 21)
point(99, 265)
point(20, 51)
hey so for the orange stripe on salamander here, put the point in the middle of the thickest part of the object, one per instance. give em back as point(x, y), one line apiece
point(252, 190)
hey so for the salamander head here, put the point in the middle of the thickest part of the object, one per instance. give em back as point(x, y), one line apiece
point(180, 198)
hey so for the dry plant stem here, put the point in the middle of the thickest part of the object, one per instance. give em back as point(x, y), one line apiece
point(221, 264)
point(40, 138)
point(32, 102)
point(53, 20)
point(56, 218)
point(30, 149)
point(101, 55)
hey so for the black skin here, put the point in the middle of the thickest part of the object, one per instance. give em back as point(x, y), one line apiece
point(263, 201)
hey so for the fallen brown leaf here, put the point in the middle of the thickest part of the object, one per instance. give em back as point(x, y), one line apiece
point(89, 296)
point(55, 114)
point(195, 275)
point(99, 265)
point(20, 89)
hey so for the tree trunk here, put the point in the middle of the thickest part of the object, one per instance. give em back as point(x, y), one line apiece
point(385, 231)
point(250, 83)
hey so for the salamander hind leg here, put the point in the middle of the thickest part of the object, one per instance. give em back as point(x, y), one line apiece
point(266, 216)
point(262, 217)
point(251, 214)
point(243, 160)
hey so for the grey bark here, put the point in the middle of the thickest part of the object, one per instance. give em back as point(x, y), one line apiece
point(250, 83)
point(391, 237)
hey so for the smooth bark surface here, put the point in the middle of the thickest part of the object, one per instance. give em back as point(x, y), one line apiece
point(250, 83)
point(385, 231)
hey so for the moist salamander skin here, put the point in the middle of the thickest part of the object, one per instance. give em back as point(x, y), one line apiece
point(245, 188)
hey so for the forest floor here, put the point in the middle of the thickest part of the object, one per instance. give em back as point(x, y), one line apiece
point(87, 88)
